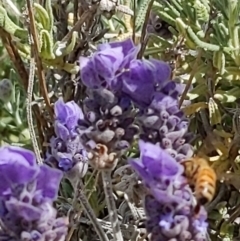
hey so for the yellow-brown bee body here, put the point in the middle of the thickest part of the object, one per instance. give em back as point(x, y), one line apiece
point(201, 177)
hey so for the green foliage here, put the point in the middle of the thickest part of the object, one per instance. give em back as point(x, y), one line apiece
point(206, 27)
point(49, 49)
point(13, 126)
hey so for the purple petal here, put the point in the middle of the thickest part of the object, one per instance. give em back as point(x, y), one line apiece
point(16, 172)
point(89, 76)
point(24, 156)
point(107, 62)
point(126, 46)
point(138, 83)
point(61, 131)
point(162, 71)
point(74, 110)
point(158, 161)
point(140, 168)
point(48, 181)
point(24, 210)
point(163, 197)
point(60, 110)
point(65, 164)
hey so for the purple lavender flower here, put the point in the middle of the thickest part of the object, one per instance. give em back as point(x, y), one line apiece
point(170, 204)
point(110, 60)
point(27, 192)
point(66, 149)
point(144, 78)
point(114, 75)
point(159, 117)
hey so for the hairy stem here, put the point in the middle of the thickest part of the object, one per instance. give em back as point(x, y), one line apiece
point(79, 212)
point(29, 111)
point(90, 213)
point(107, 184)
point(29, 98)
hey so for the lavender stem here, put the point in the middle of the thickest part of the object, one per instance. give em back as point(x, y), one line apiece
point(90, 213)
point(107, 184)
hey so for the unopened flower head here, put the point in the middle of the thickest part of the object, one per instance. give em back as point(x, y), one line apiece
point(108, 122)
point(27, 192)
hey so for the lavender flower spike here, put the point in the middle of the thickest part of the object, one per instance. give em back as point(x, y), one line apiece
point(27, 192)
point(66, 151)
point(169, 204)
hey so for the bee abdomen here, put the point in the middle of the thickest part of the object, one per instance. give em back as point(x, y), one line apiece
point(205, 185)
point(191, 171)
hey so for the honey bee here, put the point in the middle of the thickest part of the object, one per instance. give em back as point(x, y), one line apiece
point(201, 177)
